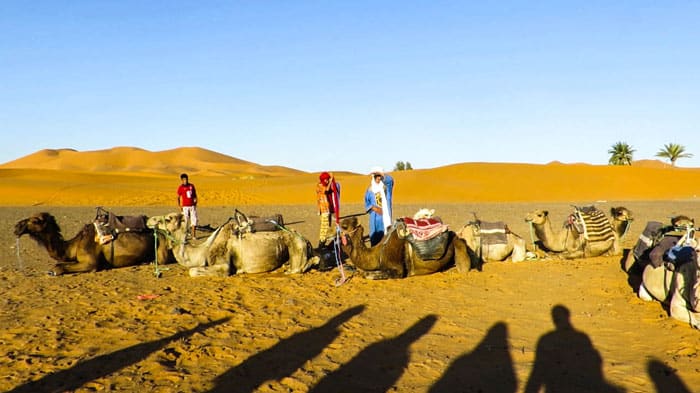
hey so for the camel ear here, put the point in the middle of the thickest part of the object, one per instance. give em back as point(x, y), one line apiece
point(545, 213)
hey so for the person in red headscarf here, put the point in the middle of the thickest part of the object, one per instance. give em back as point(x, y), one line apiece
point(328, 201)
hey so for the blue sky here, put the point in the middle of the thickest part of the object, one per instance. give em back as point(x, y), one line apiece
point(347, 85)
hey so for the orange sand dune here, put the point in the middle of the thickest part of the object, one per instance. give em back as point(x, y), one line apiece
point(125, 176)
point(193, 160)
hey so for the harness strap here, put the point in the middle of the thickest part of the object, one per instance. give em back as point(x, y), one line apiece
point(337, 250)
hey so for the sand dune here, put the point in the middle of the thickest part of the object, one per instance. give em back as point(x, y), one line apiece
point(194, 160)
point(128, 176)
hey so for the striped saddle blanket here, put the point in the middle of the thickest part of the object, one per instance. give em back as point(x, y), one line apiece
point(593, 224)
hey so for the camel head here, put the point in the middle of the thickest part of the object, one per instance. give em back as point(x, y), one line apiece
point(424, 213)
point(38, 226)
point(682, 222)
point(621, 214)
point(351, 229)
point(171, 222)
point(349, 224)
point(621, 220)
point(537, 217)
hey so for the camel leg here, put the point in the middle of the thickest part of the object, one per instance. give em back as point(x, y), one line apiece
point(299, 261)
point(377, 275)
point(221, 270)
point(629, 262)
point(84, 265)
point(679, 310)
point(680, 307)
point(644, 294)
point(462, 258)
point(519, 252)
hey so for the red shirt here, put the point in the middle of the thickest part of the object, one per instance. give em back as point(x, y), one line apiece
point(187, 194)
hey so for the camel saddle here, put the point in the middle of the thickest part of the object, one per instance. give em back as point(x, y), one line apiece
point(647, 240)
point(109, 225)
point(266, 224)
point(492, 232)
point(422, 228)
point(428, 236)
point(248, 224)
point(592, 222)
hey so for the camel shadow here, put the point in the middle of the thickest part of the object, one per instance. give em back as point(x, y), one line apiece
point(665, 378)
point(566, 361)
point(284, 358)
point(103, 365)
point(488, 368)
point(377, 367)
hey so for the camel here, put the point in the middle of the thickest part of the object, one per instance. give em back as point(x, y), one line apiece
point(655, 240)
point(668, 257)
point(678, 289)
point(492, 242)
point(84, 253)
point(575, 241)
point(174, 228)
point(396, 257)
point(234, 248)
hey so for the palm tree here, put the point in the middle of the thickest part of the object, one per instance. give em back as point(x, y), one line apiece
point(620, 154)
point(673, 152)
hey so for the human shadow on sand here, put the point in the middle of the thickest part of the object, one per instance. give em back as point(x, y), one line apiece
point(377, 367)
point(665, 378)
point(566, 361)
point(488, 368)
point(284, 358)
point(103, 365)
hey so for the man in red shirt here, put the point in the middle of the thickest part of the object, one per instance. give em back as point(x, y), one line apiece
point(328, 201)
point(187, 201)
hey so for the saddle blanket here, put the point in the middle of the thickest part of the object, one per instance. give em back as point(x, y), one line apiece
point(424, 228)
point(596, 227)
point(431, 249)
point(493, 232)
point(647, 239)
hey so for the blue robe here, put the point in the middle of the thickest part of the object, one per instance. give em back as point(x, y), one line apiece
point(376, 222)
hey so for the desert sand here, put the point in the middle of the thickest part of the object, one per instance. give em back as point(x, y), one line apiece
point(446, 332)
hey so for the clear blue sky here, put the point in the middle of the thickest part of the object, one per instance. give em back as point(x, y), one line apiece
point(346, 85)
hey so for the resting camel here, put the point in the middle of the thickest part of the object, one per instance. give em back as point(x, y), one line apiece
point(668, 256)
point(679, 289)
point(492, 242)
point(83, 253)
point(572, 241)
point(234, 249)
point(395, 257)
